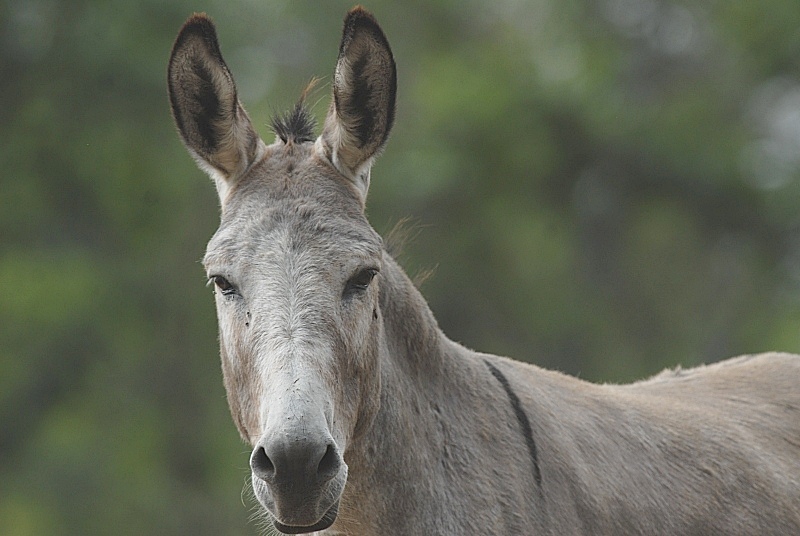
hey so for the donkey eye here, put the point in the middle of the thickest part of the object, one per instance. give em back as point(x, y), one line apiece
point(222, 284)
point(361, 280)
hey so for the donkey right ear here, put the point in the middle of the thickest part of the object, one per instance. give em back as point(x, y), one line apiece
point(364, 89)
point(211, 120)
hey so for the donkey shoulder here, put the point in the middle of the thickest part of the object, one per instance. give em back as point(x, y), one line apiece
point(756, 373)
point(756, 395)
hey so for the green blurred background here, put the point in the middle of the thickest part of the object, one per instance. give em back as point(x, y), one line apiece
point(604, 187)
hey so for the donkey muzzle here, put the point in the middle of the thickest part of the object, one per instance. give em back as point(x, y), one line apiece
point(298, 476)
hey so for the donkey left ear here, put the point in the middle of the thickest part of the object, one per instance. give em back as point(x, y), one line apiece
point(364, 89)
point(212, 122)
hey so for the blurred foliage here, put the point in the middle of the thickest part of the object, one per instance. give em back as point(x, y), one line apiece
point(604, 187)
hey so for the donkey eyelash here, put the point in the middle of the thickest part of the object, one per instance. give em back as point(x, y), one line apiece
point(225, 287)
point(361, 280)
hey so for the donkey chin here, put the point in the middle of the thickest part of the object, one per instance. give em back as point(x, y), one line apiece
point(298, 509)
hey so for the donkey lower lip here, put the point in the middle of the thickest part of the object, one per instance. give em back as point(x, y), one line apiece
point(326, 521)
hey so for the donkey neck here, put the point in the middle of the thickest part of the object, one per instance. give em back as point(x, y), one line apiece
point(431, 435)
point(412, 336)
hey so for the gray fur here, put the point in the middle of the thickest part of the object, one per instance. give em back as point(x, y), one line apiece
point(360, 410)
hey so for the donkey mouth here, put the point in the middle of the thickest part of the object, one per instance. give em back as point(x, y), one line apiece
point(326, 521)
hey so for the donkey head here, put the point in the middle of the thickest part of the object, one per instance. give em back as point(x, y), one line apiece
point(293, 263)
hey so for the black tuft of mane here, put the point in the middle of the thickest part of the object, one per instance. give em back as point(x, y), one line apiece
point(295, 126)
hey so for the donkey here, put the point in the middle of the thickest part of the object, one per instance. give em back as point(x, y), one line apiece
point(365, 419)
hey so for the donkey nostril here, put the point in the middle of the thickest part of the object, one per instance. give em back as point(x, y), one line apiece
point(261, 464)
point(329, 464)
point(289, 462)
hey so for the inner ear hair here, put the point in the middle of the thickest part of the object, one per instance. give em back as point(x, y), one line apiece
point(212, 123)
point(364, 94)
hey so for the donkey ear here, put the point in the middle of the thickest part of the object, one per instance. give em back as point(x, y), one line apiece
point(209, 116)
point(362, 110)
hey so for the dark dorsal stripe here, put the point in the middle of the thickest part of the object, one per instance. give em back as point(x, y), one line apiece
point(524, 423)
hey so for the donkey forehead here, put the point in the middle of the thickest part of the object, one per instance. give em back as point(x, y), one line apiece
point(301, 229)
point(293, 193)
point(291, 171)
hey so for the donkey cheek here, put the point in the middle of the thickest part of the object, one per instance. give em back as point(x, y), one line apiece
point(367, 383)
point(241, 387)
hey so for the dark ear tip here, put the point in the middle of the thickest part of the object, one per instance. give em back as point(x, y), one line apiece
point(199, 24)
point(201, 21)
point(358, 17)
point(359, 12)
point(198, 29)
